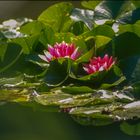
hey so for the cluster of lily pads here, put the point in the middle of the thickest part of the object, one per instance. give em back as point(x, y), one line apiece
point(82, 61)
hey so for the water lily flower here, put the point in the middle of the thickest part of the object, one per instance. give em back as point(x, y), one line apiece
point(99, 64)
point(62, 50)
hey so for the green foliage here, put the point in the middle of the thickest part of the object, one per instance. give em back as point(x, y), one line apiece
point(100, 98)
point(90, 4)
point(83, 15)
point(27, 43)
point(3, 48)
point(57, 72)
point(125, 41)
point(134, 28)
point(130, 129)
point(57, 16)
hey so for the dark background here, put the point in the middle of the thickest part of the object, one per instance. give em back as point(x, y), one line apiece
point(30, 9)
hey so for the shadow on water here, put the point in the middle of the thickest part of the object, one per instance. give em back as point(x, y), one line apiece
point(18, 122)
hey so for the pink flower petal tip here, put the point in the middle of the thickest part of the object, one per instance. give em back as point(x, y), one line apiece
point(99, 64)
point(62, 50)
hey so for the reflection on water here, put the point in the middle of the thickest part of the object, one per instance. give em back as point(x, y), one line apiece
point(131, 128)
point(18, 122)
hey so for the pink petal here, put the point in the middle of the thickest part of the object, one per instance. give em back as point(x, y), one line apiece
point(99, 58)
point(101, 68)
point(99, 64)
point(93, 68)
point(110, 62)
point(68, 51)
point(75, 54)
point(57, 53)
point(51, 49)
point(106, 57)
point(105, 65)
point(63, 49)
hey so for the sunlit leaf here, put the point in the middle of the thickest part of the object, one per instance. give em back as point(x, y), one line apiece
point(134, 28)
point(77, 90)
point(90, 4)
point(83, 15)
point(57, 16)
point(51, 99)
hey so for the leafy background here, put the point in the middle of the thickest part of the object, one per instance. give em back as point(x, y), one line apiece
point(21, 77)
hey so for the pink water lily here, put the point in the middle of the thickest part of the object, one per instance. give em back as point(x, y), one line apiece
point(62, 50)
point(99, 64)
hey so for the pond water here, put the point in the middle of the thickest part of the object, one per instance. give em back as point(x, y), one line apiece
point(19, 122)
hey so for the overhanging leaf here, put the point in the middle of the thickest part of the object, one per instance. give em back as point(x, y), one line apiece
point(101, 41)
point(111, 10)
point(32, 28)
point(83, 15)
point(134, 28)
point(57, 16)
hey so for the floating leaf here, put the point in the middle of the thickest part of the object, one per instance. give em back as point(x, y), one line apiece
point(52, 99)
point(14, 95)
point(77, 90)
point(11, 81)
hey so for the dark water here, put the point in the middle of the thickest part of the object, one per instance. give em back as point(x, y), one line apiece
point(23, 123)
